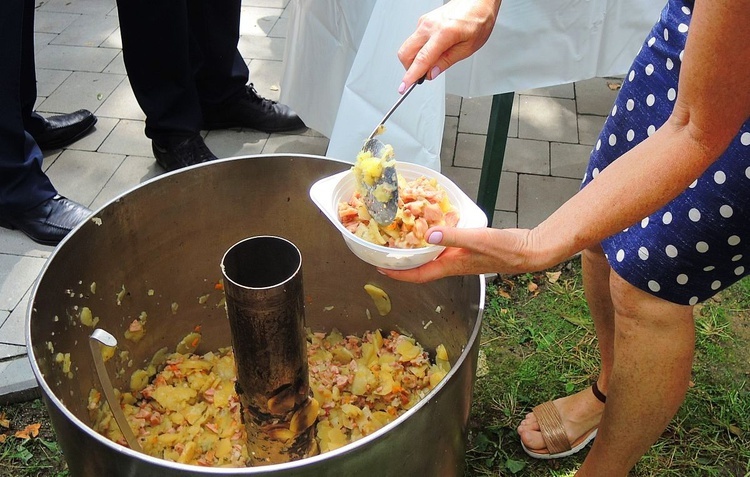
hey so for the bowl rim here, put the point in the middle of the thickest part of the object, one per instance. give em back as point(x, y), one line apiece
point(322, 193)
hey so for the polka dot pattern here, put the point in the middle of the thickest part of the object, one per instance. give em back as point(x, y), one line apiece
point(696, 245)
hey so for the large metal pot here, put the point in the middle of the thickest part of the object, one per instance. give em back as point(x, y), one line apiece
point(162, 243)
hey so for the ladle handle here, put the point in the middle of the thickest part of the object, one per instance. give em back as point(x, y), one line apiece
point(98, 339)
point(393, 108)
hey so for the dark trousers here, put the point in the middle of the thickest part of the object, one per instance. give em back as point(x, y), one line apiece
point(23, 184)
point(180, 56)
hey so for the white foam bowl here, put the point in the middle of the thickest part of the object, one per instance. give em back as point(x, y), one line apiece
point(329, 191)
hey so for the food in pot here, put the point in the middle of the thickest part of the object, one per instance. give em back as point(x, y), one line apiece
point(183, 407)
point(422, 203)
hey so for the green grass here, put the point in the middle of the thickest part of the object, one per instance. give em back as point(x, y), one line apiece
point(539, 344)
point(38, 456)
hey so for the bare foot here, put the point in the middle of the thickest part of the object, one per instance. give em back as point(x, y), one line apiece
point(580, 413)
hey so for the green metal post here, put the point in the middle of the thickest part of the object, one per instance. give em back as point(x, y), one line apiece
point(494, 153)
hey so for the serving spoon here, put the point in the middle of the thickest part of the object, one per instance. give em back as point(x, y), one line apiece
point(381, 196)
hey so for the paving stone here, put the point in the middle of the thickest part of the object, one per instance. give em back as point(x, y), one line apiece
point(48, 81)
point(41, 40)
point(81, 90)
point(527, 155)
point(88, 30)
point(14, 242)
point(507, 192)
point(262, 48)
point(448, 147)
point(258, 21)
point(452, 105)
point(539, 196)
point(558, 91)
point(80, 175)
point(8, 351)
point(475, 115)
point(17, 380)
point(469, 150)
point(121, 103)
point(133, 171)
point(266, 76)
point(280, 28)
point(467, 179)
point(594, 96)
point(13, 329)
point(116, 66)
point(88, 7)
point(569, 160)
point(128, 138)
point(504, 220)
point(236, 142)
point(74, 58)
point(19, 273)
point(52, 23)
point(547, 119)
point(295, 144)
point(92, 141)
point(589, 128)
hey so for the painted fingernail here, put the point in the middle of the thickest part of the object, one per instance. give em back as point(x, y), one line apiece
point(435, 237)
point(402, 88)
point(434, 72)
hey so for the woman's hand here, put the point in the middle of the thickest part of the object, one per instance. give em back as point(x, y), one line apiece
point(445, 36)
point(475, 251)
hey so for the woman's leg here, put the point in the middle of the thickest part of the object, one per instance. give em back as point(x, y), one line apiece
point(653, 354)
point(582, 411)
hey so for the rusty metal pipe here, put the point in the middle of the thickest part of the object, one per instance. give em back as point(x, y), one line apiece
point(265, 307)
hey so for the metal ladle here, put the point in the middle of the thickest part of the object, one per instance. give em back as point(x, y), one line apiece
point(98, 339)
point(383, 212)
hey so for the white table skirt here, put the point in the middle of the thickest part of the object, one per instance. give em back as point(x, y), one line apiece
point(341, 72)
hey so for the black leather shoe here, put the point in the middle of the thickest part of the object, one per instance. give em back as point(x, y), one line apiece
point(173, 155)
point(64, 129)
point(49, 222)
point(250, 110)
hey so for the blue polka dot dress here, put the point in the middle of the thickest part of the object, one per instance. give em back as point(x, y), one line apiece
point(699, 243)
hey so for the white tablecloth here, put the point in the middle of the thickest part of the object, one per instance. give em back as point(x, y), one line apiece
point(341, 72)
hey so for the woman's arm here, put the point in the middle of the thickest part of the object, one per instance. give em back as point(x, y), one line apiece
point(713, 102)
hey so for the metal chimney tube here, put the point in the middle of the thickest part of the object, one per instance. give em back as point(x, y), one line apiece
point(265, 307)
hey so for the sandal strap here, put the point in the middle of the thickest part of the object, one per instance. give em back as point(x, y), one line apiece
point(551, 427)
point(599, 395)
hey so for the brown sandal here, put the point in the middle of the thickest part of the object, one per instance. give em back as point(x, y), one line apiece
point(553, 432)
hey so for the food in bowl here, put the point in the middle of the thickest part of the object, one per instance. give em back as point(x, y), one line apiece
point(422, 203)
point(189, 412)
point(328, 192)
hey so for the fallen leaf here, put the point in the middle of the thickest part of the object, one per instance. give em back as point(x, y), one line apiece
point(4, 421)
point(32, 430)
point(614, 86)
point(2, 438)
point(503, 294)
point(735, 430)
point(533, 287)
point(553, 276)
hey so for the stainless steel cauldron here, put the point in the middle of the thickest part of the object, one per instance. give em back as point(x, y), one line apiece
point(157, 248)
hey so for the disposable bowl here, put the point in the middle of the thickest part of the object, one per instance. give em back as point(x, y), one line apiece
point(329, 191)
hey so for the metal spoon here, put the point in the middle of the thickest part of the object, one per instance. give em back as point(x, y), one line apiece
point(386, 186)
point(98, 339)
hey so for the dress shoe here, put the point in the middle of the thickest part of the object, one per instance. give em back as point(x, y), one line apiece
point(250, 110)
point(49, 222)
point(176, 154)
point(64, 129)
